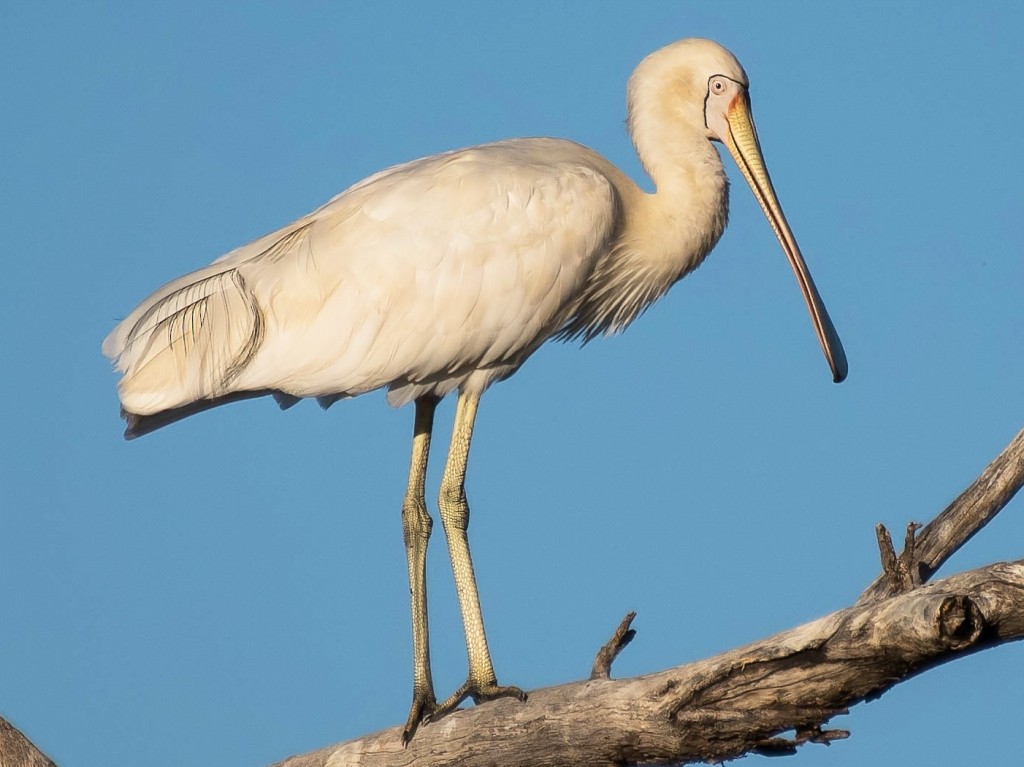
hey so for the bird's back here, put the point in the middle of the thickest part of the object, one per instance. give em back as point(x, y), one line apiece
point(429, 275)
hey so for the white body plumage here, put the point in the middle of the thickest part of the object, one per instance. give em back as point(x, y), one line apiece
point(449, 271)
point(441, 273)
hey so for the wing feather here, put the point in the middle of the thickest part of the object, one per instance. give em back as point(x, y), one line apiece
point(417, 279)
point(192, 338)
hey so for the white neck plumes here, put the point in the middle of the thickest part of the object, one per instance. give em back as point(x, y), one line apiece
point(667, 234)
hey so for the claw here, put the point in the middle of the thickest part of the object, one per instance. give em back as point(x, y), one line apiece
point(479, 692)
point(423, 707)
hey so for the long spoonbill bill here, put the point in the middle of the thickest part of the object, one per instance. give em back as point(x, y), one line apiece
point(447, 273)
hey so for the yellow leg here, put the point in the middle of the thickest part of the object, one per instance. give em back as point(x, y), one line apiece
point(481, 683)
point(416, 526)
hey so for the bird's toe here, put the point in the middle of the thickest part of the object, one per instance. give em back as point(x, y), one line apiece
point(479, 692)
point(423, 707)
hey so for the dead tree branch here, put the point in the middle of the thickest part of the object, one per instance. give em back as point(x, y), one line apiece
point(768, 697)
point(744, 700)
point(974, 508)
point(602, 668)
point(726, 706)
point(18, 751)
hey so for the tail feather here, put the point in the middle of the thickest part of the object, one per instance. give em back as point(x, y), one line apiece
point(140, 425)
point(187, 342)
point(196, 335)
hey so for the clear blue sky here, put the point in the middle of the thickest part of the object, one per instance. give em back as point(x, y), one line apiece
point(232, 589)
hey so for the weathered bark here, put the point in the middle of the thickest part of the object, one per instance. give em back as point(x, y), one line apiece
point(725, 706)
point(18, 751)
point(741, 701)
point(602, 668)
point(974, 508)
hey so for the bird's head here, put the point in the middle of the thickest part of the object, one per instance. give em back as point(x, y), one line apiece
point(698, 88)
point(673, 84)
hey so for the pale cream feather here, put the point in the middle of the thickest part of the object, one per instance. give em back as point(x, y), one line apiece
point(444, 272)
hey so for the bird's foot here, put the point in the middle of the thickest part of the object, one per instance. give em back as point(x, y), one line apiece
point(479, 692)
point(423, 707)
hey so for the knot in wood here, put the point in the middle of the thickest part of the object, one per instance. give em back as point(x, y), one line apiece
point(960, 621)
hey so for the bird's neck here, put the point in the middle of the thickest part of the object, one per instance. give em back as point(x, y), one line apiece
point(687, 213)
point(674, 229)
point(663, 237)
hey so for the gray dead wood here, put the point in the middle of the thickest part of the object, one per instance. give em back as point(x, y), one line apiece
point(768, 697)
point(602, 668)
point(974, 508)
point(18, 751)
point(742, 701)
point(722, 707)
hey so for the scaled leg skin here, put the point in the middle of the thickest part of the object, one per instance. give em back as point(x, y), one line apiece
point(481, 683)
point(416, 526)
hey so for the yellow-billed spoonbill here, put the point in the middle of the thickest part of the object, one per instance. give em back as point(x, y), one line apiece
point(447, 273)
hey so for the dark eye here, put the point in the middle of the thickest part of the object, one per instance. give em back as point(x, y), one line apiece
point(717, 85)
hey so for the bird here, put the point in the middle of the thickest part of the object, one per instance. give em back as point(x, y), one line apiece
point(444, 274)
